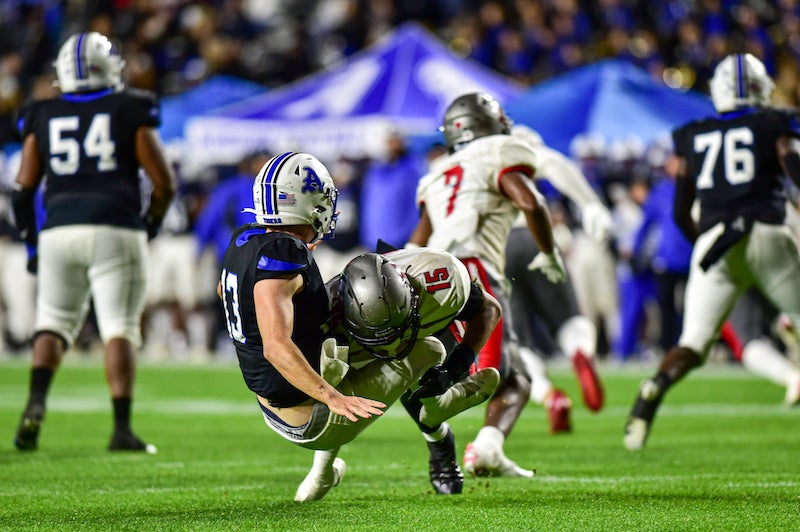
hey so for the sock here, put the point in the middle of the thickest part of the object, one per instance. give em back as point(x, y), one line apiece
point(438, 434)
point(761, 358)
point(323, 460)
point(40, 384)
point(489, 436)
point(122, 413)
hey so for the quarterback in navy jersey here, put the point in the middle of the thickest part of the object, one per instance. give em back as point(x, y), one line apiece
point(733, 164)
point(89, 144)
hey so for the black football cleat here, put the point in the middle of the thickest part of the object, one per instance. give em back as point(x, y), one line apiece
point(446, 476)
point(125, 440)
point(27, 438)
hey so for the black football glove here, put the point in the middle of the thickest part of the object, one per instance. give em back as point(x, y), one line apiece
point(33, 264)
point(436, 381)
point(152, 223)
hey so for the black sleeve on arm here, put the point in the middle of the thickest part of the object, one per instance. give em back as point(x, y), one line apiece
point(474, 303)
point(682, 207)
point(25, 214)
point(791, 163)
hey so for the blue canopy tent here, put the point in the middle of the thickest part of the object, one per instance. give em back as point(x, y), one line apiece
point(612, 98)
point(403, 82)
point(212, 93)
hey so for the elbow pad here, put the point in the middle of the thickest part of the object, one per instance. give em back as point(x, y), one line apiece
point(25, 214)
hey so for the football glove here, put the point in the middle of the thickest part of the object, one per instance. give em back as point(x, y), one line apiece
point(434, 382)
point(333, 361)
point(551, 265)
point(596, 221)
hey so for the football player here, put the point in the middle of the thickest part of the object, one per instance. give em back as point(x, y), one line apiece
point(441, 292)
point(733, 164)
point(90, 143)
point(469, 201)
point(276, 308)
point(554, 305)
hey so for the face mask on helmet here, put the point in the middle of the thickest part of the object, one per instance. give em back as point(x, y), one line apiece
point(295, 189)
point(88, 62)
point(379, 306)
point(740, 80)
point(473, 116)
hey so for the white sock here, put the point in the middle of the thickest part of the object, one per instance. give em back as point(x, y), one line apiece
point(323, 460)
point(437, 435)
point(489, 436)
point(761, 358)
point(577, 334)
point(540, 383)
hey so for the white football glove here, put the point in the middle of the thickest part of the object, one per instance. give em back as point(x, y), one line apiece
point(596, 221)
point(552, 266)
point(333, 362)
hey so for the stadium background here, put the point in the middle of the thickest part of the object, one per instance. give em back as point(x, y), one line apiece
point(174, 47)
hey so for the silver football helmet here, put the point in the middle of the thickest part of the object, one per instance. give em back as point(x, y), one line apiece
point(473, 116)
point(740, 80)
point(379, 306)
point(88, 62)
point(295, 189)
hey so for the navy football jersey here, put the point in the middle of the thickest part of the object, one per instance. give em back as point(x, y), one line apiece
point(87, 148)
point(253, 255)
point(734, 162)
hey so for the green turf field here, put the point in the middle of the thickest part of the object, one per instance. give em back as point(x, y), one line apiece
point(723, 456)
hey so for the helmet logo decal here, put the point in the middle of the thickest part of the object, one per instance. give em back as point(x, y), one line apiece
point(269, 192)
point(312, 182)
point(79, 60)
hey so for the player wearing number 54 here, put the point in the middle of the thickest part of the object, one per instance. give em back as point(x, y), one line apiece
point(90, 143)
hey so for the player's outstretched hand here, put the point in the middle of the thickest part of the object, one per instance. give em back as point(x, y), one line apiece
point(353, 407)
point(552, 265)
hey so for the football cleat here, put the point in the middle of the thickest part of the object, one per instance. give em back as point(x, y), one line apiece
point(446, 477)
point(487, 462)
point(27, 438)
point(464, 394)
point(591, 387)
point(125, 440)
point(558, 411)
point(315, 486)
point(640, 420)
point(792, 397)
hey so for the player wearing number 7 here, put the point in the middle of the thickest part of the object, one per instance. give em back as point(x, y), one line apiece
point(90, 143)
point(733, 164)
point(469, 201)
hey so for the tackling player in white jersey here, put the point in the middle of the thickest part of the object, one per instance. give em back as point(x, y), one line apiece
point(469, 202)
point(384, 321)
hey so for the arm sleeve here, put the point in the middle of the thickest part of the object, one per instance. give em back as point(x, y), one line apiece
point(564, 175)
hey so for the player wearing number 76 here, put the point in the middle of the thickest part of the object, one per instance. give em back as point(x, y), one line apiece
point(734, 164)
point(90, 143)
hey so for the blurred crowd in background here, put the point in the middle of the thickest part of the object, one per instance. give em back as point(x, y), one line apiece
point(173, 45)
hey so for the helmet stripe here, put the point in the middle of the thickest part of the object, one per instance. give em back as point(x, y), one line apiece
point(741, 76)
point(79, 60)
point(269, 199)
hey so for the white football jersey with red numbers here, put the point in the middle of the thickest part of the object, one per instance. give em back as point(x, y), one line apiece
point(443, 283)
point(461, 193)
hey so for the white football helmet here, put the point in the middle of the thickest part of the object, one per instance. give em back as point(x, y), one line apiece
point(473, 116)
point(88, 62)
point(379, 306)
point(295, 189)
point(740, 80)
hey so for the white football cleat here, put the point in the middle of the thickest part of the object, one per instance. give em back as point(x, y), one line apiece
point(491, 462)
point(792, 397)
point(468, 392)
point(315, 486)
point(636, 430)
